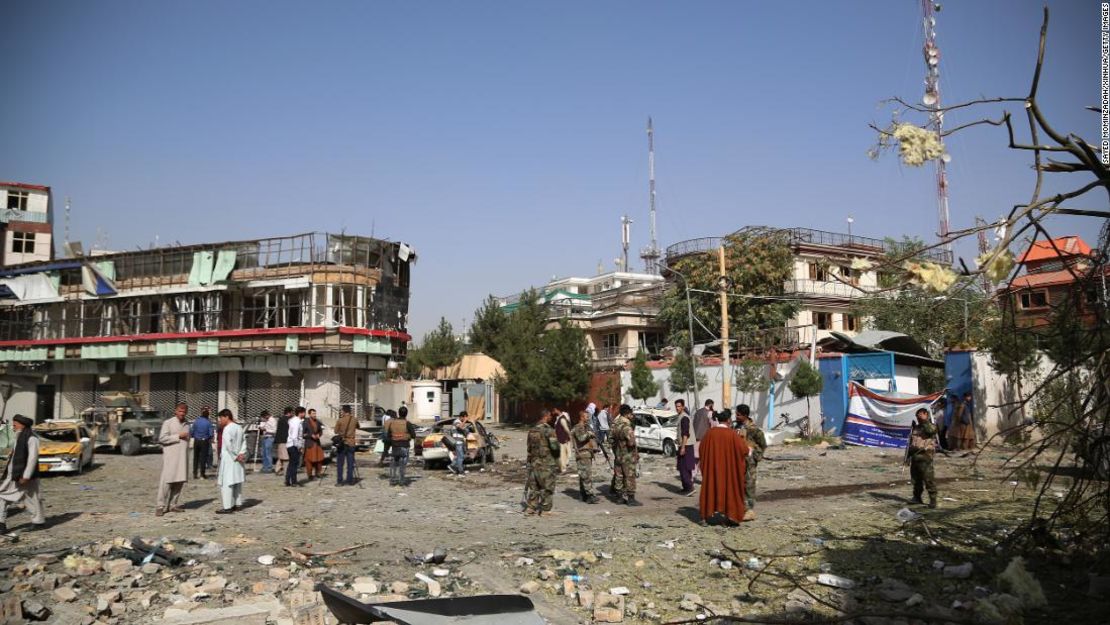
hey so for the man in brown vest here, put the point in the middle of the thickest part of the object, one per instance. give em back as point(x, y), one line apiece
point(346, 429)
point(400, 434)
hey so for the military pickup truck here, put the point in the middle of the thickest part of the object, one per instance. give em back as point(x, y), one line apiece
point(121, 422)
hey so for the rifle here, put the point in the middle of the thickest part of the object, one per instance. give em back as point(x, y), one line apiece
point(906, 458)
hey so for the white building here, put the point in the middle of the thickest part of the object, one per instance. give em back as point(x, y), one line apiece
point(27, 223)
point(617, 311)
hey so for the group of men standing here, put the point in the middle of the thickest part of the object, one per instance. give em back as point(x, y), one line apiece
point(546, 450)
point(727, 457)
point(296, 435)
point(174, 438)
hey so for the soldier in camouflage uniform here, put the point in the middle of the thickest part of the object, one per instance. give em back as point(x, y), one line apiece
point(543, 465)
point(585, 446)
point(626, 457)
point(757, 441)
point(922, 448)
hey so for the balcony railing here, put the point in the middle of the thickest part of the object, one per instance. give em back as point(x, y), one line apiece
point(821, 288)
point(800, 236)
point(9, 215)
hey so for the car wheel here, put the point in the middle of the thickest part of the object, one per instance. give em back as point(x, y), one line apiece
point(129, 444)
point(669, 449)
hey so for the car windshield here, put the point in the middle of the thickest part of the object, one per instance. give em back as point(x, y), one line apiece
point(68, 435)
point(669, 422)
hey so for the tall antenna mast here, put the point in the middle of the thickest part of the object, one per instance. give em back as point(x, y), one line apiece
point(650, 254)
point(626, 236)
point(65, 236)
point(936, 118)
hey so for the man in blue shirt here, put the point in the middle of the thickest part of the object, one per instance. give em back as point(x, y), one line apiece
point(201, 433)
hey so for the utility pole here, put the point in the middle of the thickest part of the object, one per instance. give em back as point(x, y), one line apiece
point(726, 368)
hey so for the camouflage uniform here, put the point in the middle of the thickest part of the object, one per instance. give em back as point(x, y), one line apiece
point(758, 443)
point(543, 464)
point(922, 448)
point(625, 458)
point(585, 445)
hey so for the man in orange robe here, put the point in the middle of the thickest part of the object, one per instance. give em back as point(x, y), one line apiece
point(723, 452)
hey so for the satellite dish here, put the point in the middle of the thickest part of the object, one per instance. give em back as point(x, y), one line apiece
point(947, 158)
point(930, 98)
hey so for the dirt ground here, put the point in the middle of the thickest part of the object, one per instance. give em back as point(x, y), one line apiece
point(830, 510)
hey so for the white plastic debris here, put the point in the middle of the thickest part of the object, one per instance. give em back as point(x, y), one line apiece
point(906, 515)
point(726, 564)
point(441, 572)
point(266, 560)
point(619, 590)
point(836, 581)
point(754, 563)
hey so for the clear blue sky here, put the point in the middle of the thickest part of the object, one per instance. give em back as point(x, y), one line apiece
point(505, 139)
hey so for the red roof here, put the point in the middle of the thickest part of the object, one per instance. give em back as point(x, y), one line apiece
point(24, 185)
point(1049, 278)
point(1044, 250)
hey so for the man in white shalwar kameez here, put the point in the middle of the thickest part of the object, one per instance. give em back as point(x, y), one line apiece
point(174, 439)
point(233, 453)
point(21, 475)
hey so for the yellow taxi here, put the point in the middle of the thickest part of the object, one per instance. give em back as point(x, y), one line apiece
point(64, 446)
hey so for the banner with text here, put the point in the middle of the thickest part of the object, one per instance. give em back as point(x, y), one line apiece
point(881, 420)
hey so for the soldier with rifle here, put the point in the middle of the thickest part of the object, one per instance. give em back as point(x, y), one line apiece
point(919, 453)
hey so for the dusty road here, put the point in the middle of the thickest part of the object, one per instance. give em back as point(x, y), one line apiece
point(834, 510)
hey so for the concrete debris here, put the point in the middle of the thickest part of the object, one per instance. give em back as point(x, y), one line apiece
point(528, 588)
point(894, 591)
point(960, 571)
point(441, 572)
point(234, 615)
point(399, 588)
point(279, 573)
point(34, 611)
point(525, 561)
point(608, 608)
point(915, 599)
point(266, 560)
point(546, 574)
point(619, 590)
point(366, 586)
point(434, 589)
point(65, 594)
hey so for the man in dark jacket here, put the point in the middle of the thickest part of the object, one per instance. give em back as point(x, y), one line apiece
point(21, 475)
point(201, 432)
point(281, 438)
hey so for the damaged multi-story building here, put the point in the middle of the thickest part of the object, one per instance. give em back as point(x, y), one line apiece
point(251, 325)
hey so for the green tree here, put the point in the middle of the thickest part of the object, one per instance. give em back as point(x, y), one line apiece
point(565, 364)
point(487, 328)
point(751, 377)
point(757, 262)
point(643, 383)
point(440, 347)
point(519, 350)
point(807, 382)
point(413, 366)
point(935, 322)
point(682, 375)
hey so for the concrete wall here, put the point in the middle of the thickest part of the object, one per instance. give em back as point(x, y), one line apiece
point(320, 390)
point(996, 396)
point(760, 403)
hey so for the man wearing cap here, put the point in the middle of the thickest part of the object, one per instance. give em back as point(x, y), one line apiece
point(174, 439)
point(21, 476)
point(233, 455)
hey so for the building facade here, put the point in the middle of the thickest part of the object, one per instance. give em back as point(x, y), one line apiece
point(253, 325)
point(26, 223)
point(618, 311)
point(824, 282)
point(1057, 272)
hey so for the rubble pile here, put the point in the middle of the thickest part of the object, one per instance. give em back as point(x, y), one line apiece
point(182, 581)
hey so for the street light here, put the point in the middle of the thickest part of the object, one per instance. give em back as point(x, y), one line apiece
point(690, 323)
point(850, 222)
point(941, 298)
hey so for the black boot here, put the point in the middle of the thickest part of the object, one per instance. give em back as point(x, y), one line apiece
point(932, 501)
point(631, 501)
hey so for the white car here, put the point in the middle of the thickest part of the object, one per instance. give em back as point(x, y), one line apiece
point(656, 430)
